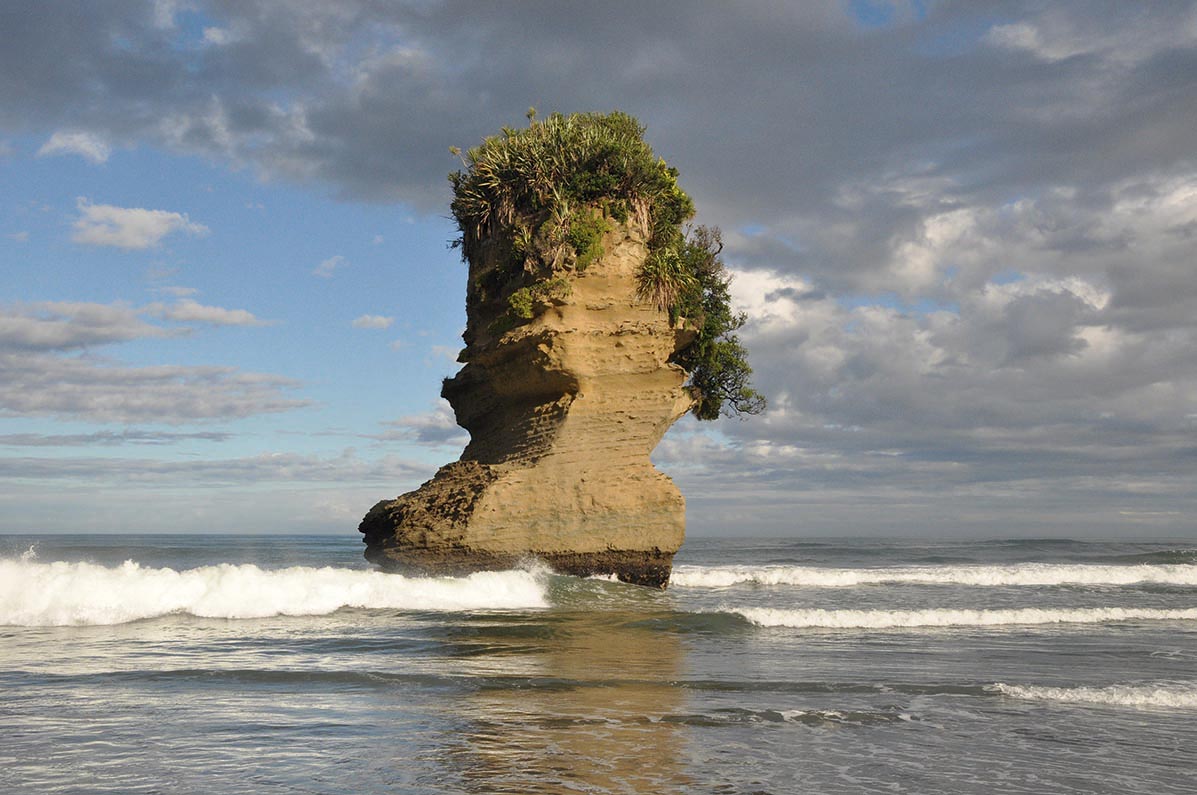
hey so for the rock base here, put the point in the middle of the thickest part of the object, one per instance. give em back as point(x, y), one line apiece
point(639, 567)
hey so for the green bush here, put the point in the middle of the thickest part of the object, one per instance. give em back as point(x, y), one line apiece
point(663, 279)
point(585, 236)
point(538, 179)
point(521, 304)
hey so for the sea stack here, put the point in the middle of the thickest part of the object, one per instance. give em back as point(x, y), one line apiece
point(573, 364)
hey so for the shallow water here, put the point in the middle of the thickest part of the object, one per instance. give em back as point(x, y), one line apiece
point(222, 664)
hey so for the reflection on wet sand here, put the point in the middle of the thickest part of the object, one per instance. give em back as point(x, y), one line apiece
point(580, 711)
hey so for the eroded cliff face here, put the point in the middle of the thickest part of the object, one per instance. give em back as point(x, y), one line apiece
point(563, 412)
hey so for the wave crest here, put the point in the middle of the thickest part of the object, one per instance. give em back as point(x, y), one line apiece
point(1169, 695)
point(72, 594)
point(1017, 574)
point(941, 617)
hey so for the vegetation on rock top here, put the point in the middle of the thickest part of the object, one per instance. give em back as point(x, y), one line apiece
point(545, 194)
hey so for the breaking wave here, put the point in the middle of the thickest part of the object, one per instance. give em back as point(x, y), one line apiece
point(70, 594)
point(1016, 574)
point(940, 617)
point(1170, 695)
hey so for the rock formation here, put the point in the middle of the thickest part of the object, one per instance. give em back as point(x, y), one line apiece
point(567, 388)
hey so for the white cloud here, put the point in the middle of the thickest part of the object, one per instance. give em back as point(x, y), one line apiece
point(326, 268)
point(1025, 36)
point(1054, 37)
point(129, 227)
point(437, 428)
point(176, 291)
point(187, 310)
point(373, 321)
point(276, 467)
point(64, 325)
point(164, 13)
point(449, 352)
point(91, 390)
point(219, 36)
point(87, 145)
point(5, 148)
point(38, 380)
point(378, 240)
point(773, 301)
point(109, 438)
point(20, 237)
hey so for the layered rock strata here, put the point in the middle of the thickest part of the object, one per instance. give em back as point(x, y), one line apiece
point(563, 410)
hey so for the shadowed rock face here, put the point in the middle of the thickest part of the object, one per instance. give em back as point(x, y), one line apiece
point(563, 412)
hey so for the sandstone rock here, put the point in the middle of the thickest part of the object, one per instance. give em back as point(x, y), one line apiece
point(563, 412)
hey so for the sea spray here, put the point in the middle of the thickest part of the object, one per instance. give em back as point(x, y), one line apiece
point(66, 594)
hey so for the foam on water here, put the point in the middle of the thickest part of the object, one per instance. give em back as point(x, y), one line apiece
point(1033, 574)
point(65, 594)
point(943, 617)
point(1169, 695)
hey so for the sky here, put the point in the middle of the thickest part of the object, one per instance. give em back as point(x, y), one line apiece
point(963, 235)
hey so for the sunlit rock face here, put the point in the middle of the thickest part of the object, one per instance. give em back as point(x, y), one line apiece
point(563, 411)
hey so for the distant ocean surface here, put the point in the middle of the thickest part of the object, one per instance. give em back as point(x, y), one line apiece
point(221, 664)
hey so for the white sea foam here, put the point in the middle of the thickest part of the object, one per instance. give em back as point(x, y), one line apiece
point(1012, 575)
point(942, 617)
point(1169, 695)
point(63, 594)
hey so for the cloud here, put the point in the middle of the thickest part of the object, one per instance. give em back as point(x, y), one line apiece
point(71, 325)
point(129, 227)
point(176, 291)
point(93, 390)
point(65, 326)
point(39, 379)
point(190, 311)
point(373, 321)
point(281, 467)
point(108, 438)
point(219, 36)
point(327, 267)
point(87, 145)
point(20, 237)
point(437, 428)
point(366, 98)
point(444, 352)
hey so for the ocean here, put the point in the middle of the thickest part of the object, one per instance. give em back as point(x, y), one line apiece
point(225, 664)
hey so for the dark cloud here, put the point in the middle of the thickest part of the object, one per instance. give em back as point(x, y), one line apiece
point(769, 108)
